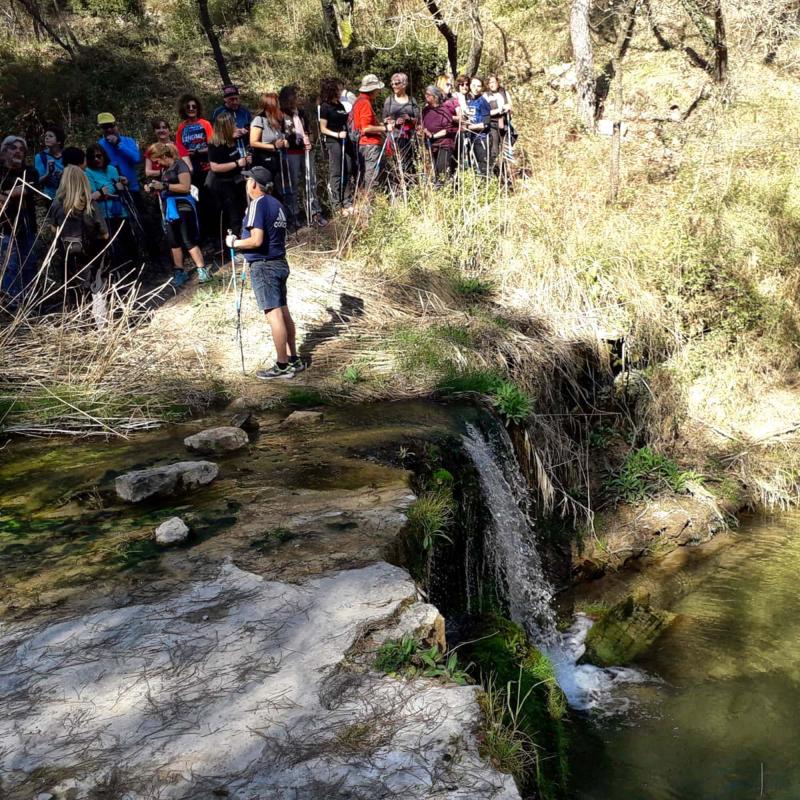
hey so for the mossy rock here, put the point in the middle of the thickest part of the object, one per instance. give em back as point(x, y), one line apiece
point(499, 651)
point(625, 632)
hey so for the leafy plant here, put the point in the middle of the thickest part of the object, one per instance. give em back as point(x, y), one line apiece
point(352, 374)
point(473, 288)
point(513, 405)
point(645, 473)
point(600, 437)
point(395, 655)
point(302, 397)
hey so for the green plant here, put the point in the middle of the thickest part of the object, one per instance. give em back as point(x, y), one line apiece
point(352, 374)
point(600, 437)
point(504, 742)
point(437, 665)
point(430, 515)
point(513, 405)
point(473, 288)
point(442, 477)
point(645, 473)
point(394, 655)
point(303, 397)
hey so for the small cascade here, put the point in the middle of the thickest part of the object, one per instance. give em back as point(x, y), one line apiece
point(510, 545)
point(510, 542)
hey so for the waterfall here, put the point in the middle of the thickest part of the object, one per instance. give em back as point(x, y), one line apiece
point(510, 541)
point(511, 545)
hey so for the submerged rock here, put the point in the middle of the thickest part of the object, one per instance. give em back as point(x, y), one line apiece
point(247, 422)
point(304, 418)
point(625, 632)
point(164, 481)
point(224, 439)
point(172, 531)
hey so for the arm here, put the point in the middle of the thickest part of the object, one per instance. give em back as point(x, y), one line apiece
point(127, 150)
point(228, 166)
point(257, 144)
point(255, 239)
point(149, 170)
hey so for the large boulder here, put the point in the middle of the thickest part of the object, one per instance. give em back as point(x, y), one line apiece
point(164, 481)
point(224, 439)
point(172, 531)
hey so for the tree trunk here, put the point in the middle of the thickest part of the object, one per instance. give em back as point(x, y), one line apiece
point(720, 45)
point(476, 45)
point(449, 35)
point(32, 9)
point(208, 28)
point(584, 61)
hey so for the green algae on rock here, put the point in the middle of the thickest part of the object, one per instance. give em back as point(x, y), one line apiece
point(625, 632)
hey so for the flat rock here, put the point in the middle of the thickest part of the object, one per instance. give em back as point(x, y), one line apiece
point(236, 685)
point(224, 439)
point(164, 481)
point(172, 531)
point(247, 422)
point(420, 620)
point(304, 418)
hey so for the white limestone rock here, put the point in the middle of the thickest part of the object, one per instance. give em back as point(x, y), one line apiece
point(211, 441)
point(172, 531)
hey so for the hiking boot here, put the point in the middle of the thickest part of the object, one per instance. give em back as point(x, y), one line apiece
point(179, 278)
point(203, 275)
point(275, 372)
point(296, 365)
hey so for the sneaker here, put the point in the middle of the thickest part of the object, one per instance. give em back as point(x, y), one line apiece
point(319, 220)
point(275, 372)
point(296, 365)
point(180, 277)
point(203, 275)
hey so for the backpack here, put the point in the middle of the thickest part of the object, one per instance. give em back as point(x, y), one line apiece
point(353, 133)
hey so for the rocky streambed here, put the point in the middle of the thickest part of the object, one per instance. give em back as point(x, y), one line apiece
point(238, 663)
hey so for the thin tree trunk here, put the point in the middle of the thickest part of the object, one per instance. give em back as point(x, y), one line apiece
point(584, 61)
point(449, 35)
point(208, 28)
point(38, 19)
point(720, 45)
point(476, 44)
point(616, 142)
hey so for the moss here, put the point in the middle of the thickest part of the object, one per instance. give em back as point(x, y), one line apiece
point(499, 652)
point(303, 397)
point(625, 632)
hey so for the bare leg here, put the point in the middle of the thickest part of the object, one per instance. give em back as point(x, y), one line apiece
point(290, 331)
point(197, 256)
point(177, 257)
point(277, 325)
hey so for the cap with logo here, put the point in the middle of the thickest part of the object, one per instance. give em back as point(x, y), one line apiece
point(231, 90)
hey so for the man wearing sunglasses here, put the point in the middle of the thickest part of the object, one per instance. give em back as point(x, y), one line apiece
point(122, 151)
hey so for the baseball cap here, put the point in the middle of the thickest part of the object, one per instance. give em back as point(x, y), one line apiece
point(105, 118)
point(231, 90)
point(261, 175)
point(10, 140)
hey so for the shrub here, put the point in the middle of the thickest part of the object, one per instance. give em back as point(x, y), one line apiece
point(645, 473)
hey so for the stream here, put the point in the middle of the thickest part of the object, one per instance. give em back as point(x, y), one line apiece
point(719, 717)
point(711, 712)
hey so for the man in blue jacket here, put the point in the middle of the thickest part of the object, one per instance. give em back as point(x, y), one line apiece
point(122, 151)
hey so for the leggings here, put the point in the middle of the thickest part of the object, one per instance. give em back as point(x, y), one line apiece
point(183, 231)
point(341, 187)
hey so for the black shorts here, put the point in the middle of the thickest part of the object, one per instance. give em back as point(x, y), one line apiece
point(269, 282)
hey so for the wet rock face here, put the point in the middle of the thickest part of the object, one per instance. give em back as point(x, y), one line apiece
point(625, 632)
point(238, 687)
point(164, 481)
point(215, 441)
point(172, 531)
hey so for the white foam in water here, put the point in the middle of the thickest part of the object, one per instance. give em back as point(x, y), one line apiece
point(528, 593)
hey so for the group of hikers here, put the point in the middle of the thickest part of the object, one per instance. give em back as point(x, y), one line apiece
point(238, 172)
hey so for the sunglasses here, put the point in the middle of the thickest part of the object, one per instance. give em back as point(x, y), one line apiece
point(107, 127)
point(191, 106)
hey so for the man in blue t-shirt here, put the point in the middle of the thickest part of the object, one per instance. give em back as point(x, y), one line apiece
point(264, 250)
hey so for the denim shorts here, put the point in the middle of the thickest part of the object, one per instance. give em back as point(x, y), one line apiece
point(269, 282)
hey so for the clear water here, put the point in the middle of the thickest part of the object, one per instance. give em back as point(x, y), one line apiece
point(724, 723)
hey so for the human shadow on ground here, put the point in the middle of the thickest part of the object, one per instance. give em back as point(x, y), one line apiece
point(350, 309)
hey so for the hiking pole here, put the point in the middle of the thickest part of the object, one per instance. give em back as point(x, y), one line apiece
point(341, 175)
point(308, 188)
point(238, 296)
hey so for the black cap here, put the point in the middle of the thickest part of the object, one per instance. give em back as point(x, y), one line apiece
point(261, 175)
